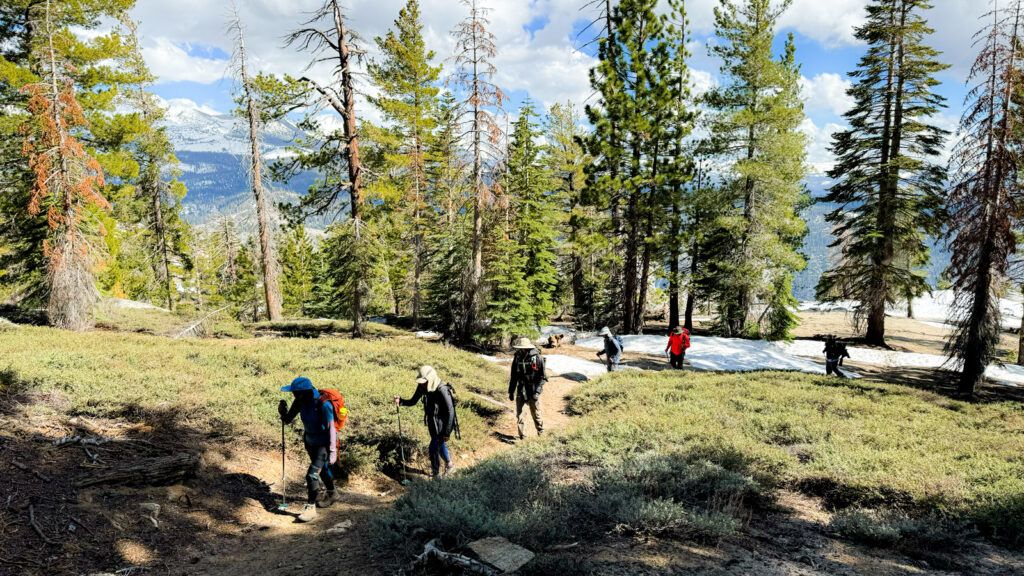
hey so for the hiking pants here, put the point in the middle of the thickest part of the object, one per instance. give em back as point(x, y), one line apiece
point(613, 365)
point(538, 420)
point(832, 367)
point(319, 471)
point(676, 360)
point(438, 452)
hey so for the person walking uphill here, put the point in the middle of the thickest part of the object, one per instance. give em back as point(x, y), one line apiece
point(612, 349)
point(678, 342)
point(526, 384)
point(323, 413)
point(438, 414)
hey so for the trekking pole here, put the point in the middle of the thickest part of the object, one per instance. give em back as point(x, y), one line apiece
point(401, 444)
point(284, 479)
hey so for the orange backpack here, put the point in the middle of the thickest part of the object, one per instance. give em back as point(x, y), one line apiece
point(340, 412)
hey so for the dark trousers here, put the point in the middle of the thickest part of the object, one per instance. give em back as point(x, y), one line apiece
point(319, 471)
point(676, 360)
point(438, 452)
point(832, 367)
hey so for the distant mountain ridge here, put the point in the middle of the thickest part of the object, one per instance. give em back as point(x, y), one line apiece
point(213, 150)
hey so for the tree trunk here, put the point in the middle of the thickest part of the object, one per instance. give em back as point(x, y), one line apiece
point(477, 263)
point(268, 260)
point(355, 167)
point(884, 250)
point(1020, 343)
point(161, 234)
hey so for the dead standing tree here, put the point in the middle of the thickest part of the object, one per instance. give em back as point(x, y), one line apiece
point(67, 178)
point(335, 43)
point(474, 49)
point(986, 194)
point(250, 107)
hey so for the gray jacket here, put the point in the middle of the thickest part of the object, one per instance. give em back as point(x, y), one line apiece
point(612, 350)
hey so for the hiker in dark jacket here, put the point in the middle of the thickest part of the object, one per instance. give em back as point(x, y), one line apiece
point(438, 415)
point(835, 351)
point(526, 384)
point(319, 437)
point(612, 349)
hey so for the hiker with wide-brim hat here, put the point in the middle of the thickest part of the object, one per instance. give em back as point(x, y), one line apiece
point(612, 349)
point(319, 437)
point(526, 384)
point(438, 414)
point(678, 342)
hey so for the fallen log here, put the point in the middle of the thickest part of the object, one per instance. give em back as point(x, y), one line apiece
point(434, 555)
point(159, 471)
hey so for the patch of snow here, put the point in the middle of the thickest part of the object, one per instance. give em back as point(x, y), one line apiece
point(719, 354)
point(929, 308)
point(427, 334)
point(549, 330)
point(838, 306)
point(569, 366)
point(133, 305)
point(1008, 374)
point(495, 359)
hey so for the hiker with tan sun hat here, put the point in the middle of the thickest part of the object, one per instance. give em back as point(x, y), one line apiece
point(438, 414)
point(526, 384)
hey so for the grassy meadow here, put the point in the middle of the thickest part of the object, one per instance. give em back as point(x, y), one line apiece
point(231, 387)
point(694, 455)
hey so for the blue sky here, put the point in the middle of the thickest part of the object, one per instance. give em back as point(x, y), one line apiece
point(186, 45)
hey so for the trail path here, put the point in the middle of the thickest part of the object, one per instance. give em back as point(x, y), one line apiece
point(273, 544)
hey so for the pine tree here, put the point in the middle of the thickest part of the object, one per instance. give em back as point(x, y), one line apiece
point(67, 178)
point(754, 122)
point(408, 96)
point(448, 241)
point(528, 184)
point(475, 50)
point(297, 269)
point(335, 42)
point(889, 183)
point(156, 213)
point(583, 224)
point(986, 196)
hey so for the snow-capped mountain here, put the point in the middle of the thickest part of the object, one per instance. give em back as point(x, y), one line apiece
point(213, 149)
point(197, 128)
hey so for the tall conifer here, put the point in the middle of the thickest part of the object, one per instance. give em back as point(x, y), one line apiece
point(888, 180)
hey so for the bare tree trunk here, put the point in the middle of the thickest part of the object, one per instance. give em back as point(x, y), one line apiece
point(268, 260)
point(477, 263)
point(161, 234)
point(355, 168)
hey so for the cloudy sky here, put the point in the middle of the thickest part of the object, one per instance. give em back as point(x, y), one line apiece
point(541, 54)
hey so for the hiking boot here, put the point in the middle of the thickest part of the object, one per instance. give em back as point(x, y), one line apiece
point(329, 499)
point(308, 513)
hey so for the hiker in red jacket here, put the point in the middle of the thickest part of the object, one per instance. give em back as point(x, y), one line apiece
point(678, 342)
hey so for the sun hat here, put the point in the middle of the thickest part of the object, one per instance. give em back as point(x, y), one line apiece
point(605, 332)
point(522, 343)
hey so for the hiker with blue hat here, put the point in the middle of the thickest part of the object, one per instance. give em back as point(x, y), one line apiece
point(317, 412)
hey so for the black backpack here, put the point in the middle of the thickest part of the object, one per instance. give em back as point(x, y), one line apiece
point(455, 412)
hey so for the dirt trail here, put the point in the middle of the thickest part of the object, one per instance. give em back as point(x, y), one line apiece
point(274, 544)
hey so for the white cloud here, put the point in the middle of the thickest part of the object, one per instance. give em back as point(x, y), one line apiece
point(170, 63)
point(819, 139)
point(826, 93)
